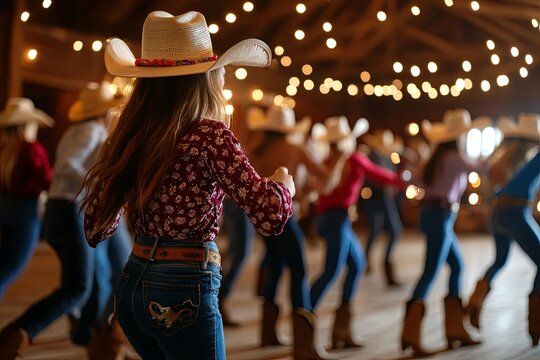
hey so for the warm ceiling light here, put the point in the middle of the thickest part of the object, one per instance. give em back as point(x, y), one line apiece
point(398, 67)
point(502, 80)
point(328, 82)
point(535, 23)
point(257, 94)
point(32, 54)
point(291, 90)
point(413, 129)
point(455, 91)
point(307, 69)
point(378, 90)
point(46, 4)
point(300, 8)
point(444, 89)
point(241, 73)
point(466, 65)
point(426, 86)
point(485, 85)
point(229, 109)
point(77, 45)
point(299, 34)
point(495, 60)
point(309, 84)
point(97, 45)
point(468, 84)
point(474, 198)
point(230, 18)
point(460, 84)
point(490, 44)
point(331, 43)
point(411, 88)
point(25, 16)
point(416, 95)
point(227, 94)
point(278, 100)
point(286, 61)
point(324, 89)
point(352, 90)
point(523, 72)
point(475, 5)
point(529, 59)
point(415, 71)
point(365, 76)
point(397, 83)
point(432, 67)
point(415, 10)
point(279, 50)
point(294, 81)
point(449, 2)
point(248, 6)
point(327, 26)
point(381, 16)
point(337, 85)
point(368, 89)
point(514, 51)
point(433, 93)
point(213, 28)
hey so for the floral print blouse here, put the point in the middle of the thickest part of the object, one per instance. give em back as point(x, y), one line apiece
point(187, 204)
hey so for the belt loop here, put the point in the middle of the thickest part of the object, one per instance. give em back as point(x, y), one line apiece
point(205, 260)
point(154, 248)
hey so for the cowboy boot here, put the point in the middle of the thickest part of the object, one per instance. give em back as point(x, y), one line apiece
point(227, 321)
point(534, 317)
point(106, 343)
point(342, 332)
point(454, 317)
point(13, 341)
point(389, 273)
point(304, 331)
point(476, 302)
point(412, 325)
point(269, 322)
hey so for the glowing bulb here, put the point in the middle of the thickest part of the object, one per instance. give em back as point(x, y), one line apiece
point(77, 45)
point(300, 8)
point(365, 76)
point(394, 157)
point(413, 129)
point(213, 28)
point(455, 91)
point(368, 89)
point(328, 82)
point(473, 198)
point(379, 90)
point(324, 89)
point(514, 51)
point(528, 59)
point(490, 44)
point(535, 23)
point(299, 34)
point(230, 18)
point(415, 10)
point(227, 94)
point(279, 50)
point(381, 16)
point(352, 90)
point(475, 5)
point(257, 94)
point(291, 90)
point(432, 67)
point(278, 100)
point(485, 85)
point(32, 54)
point(97, 45)
point(411, 192)
point(309, 85)
point(286, 61)
point(241, 73)
point(444, 89)
point(327, 27)
point(466, 65)
point(307, 69)
point(495, 60)
point(46, 4)
point(397, 83)
point(25, 16)
point(398, 95)
point(331, 43)
point(398, 67)
point(449, 2)
point(337, 85)
point(468, 84)
point(460, 84)
point(426, 86)
point(294, 81)
point(502, 80)
point(432, 93)
point(523, 72)
point(366, 193)
point(473, 177)
point(415, 71)
point(229, 109)
point(248, 6)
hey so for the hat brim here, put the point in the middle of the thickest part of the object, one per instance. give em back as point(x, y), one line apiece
point(19, 118)
point(439, 133)
point(375, 143)
point(510, 129)
point(120, 61)
point(77, 113)
point(360, 128)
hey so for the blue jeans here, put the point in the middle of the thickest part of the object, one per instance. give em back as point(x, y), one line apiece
point(514, 223)
point(241, 234)
point(169, 310)
point(64, 232)
point(19, 235)
point(382, 215)
point(342, 247)
point(286, 250)
point(442, 246)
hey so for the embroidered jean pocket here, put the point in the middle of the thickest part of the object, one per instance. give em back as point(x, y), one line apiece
point(169, 307)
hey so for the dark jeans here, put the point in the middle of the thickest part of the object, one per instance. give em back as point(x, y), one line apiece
point(514, 223)
point(19, 235)
point(169, 310)
point(64, 233)
point(382, 215)
point(442, 246)
point(240, 232)
point(286, 250)
point(342, 247)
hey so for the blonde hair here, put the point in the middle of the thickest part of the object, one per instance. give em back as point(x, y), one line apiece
point(143, 142)
point(11, 139)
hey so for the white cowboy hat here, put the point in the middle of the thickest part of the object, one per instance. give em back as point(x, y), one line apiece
point(279, 119)
point(179, 45)
point(384, 141)
point(455, 122)
point(527, 127)
point(21, 111)
point(94, 100)
point(337, 128)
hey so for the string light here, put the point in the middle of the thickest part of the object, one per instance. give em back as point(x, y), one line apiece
point(397, 83)
point(229, 109)
point(213, 28)
point(291, 90)
point(523, 72)
point(32, 54)
point(473, 177)
point(398, 95)
point(394, 157)
point(46, 4)
point(468, 84)
point(331, 43)
point(454, 91)
point(324, 89)
point(449, 2)
point(528, 59)
point(415, 10)
point(307, 69)
point(257, 94)
point(366, 193)
point(365, 76)
point(426, 86)
point(432, 93)
point(473, 198)
point(241, 73)
point(495, 60)
point(413, 129)
point(300, 8)
point(415, 71)
point(309, 85)
point(25, 15)
point(475, 5)
point(398, 67)
point(514, 51)
point(299, 34)
point(77, 45)
point(337, 85)
point(381, 16)
point(352, 89)
point(485, 85)
point(294, 81)
point(490, 44)
point(248, 6)
point(278, 100)
point(535, 23)
point(502, 80)
point(227, 94)
point(460, 84)
point(368, 89)
point(378, 91)
point(466, 65)
point(230, 18)
point(97, 45)
point(279, 50)
point(432, 67)
point(444, 89)
point(286, 61)
point(328, 82)
point(327, 27)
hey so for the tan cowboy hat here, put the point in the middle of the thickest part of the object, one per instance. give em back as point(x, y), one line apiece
point(527, 127)
point(179, 45)
point(21, 111)
point(337, 128)
point(94, 100)
point(279, 119)
point(384, 141)
point(455, 122)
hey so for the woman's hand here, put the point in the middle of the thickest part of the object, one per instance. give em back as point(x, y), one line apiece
point(282, 175)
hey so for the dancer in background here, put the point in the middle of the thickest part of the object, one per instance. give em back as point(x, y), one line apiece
point(444, 179)
point(168, 165)
point(381, 208)
point(515, 177)
point(63, 225)
point(342, 245)
point(24, 173)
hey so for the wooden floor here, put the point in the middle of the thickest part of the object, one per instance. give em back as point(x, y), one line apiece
point(378, 310)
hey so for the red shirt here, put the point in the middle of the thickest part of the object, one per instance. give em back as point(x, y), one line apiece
point(209, 163)
point(346, 193)
point(32, 172)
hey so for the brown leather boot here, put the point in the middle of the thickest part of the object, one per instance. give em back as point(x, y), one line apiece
point(534, 317)
point(342, 332)
point(412, 325)
point(454, 317)
point(304, 331)
point(13, 341)
point(476, 302)
point(270, 315)
point(106, 343)
point(389, 273)
point(227, 321)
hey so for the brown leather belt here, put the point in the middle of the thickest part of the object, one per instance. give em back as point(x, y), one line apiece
point(510, 201)
point(170, 253)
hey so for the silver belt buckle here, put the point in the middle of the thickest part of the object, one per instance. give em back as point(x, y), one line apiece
point(454, 207)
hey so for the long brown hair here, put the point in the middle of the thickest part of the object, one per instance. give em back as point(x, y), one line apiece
point(141, 147)
point(433, 164)
point(11, 139)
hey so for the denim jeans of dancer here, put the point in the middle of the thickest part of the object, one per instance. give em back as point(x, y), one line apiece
point(64, 233)
point(383, 216)
point(169, 310)
point(442, 246)
point(514, 223)
point(241, 234)
point(287, 250)
point(342, 248)
point(19, 235)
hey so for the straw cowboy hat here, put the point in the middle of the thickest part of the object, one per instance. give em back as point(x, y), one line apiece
point(455, 122)
point(279, 119)
point(94, 100)
point(179, 45)
point(383, 141)
point(527, 127)
point(337, 128)
point(21, 111)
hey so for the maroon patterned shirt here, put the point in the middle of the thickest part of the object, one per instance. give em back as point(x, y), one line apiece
point(209, 163)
